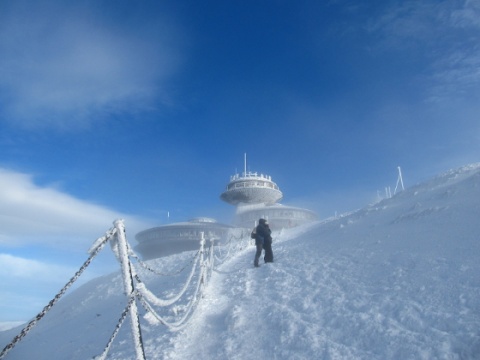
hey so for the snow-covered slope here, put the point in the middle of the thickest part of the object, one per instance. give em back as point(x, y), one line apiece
point(399, 279)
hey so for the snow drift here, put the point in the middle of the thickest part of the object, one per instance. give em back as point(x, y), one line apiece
point(399, 279)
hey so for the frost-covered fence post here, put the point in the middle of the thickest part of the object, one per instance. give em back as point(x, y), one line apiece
point(211, 258)
point(202, 259)
point(202, 248)
point(122, 256)
point(399, 180)
point(388, 192)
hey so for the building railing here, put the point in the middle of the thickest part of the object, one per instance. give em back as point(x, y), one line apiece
point(252, 184)
point(250, 175)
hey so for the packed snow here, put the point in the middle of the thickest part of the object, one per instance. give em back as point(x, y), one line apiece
point(399, 279)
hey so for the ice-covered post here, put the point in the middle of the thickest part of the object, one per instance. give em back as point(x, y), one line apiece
point(399, 180)
point(202, 247)
point(388, 192)
point(212, 244)
point(211, 255)
point(202, 258)
point(122, 256)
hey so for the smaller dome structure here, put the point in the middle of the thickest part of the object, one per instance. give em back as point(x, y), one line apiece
point(279, 216)
point(178, 237)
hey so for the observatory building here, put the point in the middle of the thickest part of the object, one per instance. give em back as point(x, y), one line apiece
point(178, 237)
point(279, 216)
point(256, 196)
point(251, 188)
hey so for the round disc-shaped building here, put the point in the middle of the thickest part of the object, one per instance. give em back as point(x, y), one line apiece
point(251, 188)
point(279, 216)
point(178, 237)
point(256, 196)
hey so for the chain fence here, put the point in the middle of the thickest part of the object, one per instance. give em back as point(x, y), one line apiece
point(205, 260)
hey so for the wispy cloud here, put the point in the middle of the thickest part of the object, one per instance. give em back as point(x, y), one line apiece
point(467, 15)
point(31, 269)
point(406, 23)
point(457, 74)
point(446, 35)
point(6, 325)
point(28, 285)
point(35, 215)
point(62, 66)
point(53, 231)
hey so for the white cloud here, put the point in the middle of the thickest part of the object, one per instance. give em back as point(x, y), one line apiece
point(445, 34)
point(467, 15)
point(6, 325)
point(27, 285)
point(34, 215)
point(457, 75)
point(406, 24)
point(22, 268)
point(44, 237)
point(62, 66)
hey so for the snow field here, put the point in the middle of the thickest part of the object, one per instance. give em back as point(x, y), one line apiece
point(399, 279)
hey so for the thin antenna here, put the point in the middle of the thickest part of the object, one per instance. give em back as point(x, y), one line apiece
point(245, 164)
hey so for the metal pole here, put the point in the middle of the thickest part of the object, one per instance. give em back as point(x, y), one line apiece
point(245, 165)
point(400, 177)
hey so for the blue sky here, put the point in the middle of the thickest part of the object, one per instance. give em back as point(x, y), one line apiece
point(139, 109)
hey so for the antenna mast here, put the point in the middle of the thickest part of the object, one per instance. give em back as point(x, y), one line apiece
point(245, 164)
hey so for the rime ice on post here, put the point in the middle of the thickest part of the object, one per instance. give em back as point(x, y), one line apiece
point(122, 256)
point(399, 180)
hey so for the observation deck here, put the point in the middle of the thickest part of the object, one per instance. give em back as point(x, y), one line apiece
point(251, 188)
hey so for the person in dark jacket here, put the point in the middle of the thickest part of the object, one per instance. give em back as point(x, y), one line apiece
point(263, 240)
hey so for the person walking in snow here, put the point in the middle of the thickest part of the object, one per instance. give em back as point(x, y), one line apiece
point(263, 240)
